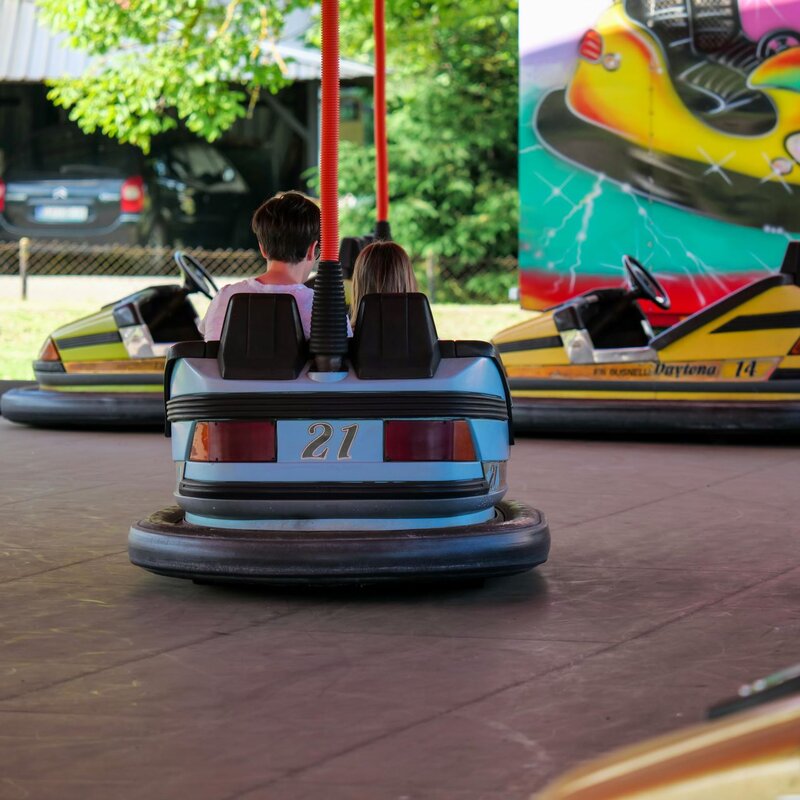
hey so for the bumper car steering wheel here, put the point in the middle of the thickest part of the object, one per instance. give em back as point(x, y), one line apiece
point(644, 284)
point(195, 275)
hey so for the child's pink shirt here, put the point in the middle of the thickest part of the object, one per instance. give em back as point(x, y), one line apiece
point(211, 326)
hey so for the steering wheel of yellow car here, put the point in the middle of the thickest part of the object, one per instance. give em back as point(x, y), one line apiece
point(644, 284)
point(195, 276)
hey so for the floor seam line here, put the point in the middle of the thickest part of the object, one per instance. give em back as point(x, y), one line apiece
point(154, 654)
point(580, 659)
point(45, 495)
point(62, 566)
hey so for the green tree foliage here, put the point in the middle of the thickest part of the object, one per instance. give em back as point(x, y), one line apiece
point(452, 94)
point(160, 63)
point(452, 130)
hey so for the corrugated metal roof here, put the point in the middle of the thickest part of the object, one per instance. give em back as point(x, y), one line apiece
point(31, 53)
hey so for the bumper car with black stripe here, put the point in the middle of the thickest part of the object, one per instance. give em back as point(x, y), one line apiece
point(593, 365)
point(393, 467)
point(107, 369)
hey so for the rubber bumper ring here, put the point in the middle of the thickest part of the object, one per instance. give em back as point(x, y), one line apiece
point(43, 408)
point(516, 540)
point(631, 417)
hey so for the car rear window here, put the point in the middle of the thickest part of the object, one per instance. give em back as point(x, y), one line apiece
point(199, 161)
point(77, 157)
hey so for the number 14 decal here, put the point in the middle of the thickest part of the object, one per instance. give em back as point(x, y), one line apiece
point(322, 432)
point(746, 368)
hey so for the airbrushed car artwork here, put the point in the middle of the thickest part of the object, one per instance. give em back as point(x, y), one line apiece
point(691, 103)
point(107, 369)
point(594, 364)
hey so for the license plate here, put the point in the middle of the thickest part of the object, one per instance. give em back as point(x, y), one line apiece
point(61, 213)
point(329, 441)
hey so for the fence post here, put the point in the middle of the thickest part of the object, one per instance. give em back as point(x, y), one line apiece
point(430, 274)
point(24, 255)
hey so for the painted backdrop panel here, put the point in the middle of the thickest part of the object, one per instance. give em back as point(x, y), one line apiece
point(667, 129)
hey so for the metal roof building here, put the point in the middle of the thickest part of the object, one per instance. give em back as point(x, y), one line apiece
point(30, 53)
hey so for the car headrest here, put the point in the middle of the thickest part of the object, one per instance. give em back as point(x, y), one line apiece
point(395, 337)
point(791, 262)
point(349, 248)
point(262, 338)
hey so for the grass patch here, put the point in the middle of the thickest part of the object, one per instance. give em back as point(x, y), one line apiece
point(24, 326)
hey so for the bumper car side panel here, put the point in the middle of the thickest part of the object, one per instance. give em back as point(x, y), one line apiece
point(200, 376)
point(59, 380)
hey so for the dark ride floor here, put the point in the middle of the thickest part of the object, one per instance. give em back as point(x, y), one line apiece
point(674, 576)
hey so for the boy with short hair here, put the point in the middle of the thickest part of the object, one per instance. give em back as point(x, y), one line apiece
point(287, 229)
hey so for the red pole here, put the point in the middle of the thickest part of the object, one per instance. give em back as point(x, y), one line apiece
point(329, 133)
point(328, 341)
point(379, 91)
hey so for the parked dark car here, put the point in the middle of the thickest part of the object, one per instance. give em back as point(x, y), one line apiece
point(90, 188)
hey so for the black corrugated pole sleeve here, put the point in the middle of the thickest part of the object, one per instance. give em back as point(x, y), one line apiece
point(329, 318)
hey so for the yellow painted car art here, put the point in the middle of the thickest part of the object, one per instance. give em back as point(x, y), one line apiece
point(594, 364)
point(752, 752)
point(671, 128)
point(711, 124)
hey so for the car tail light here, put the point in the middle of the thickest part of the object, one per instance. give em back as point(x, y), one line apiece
point(48, 352)
point(233, 441)
point(131, 196)
point(2, 194)
point(795, 351)
point(428, 440)
point(591, 46)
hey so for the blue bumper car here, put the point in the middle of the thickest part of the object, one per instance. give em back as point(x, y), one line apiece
point(393, 468)
point(377, 458)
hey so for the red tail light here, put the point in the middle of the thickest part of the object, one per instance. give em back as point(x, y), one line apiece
point(48, 352)
point(131, 196)
point(428, 440)
point(2, 194)
point(591, 46)
point(233, 441)
point(795, 351)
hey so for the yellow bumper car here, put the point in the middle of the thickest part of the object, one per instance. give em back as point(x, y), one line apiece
point(593, 364)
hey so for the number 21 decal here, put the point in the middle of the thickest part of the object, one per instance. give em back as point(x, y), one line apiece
point(322, 432)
